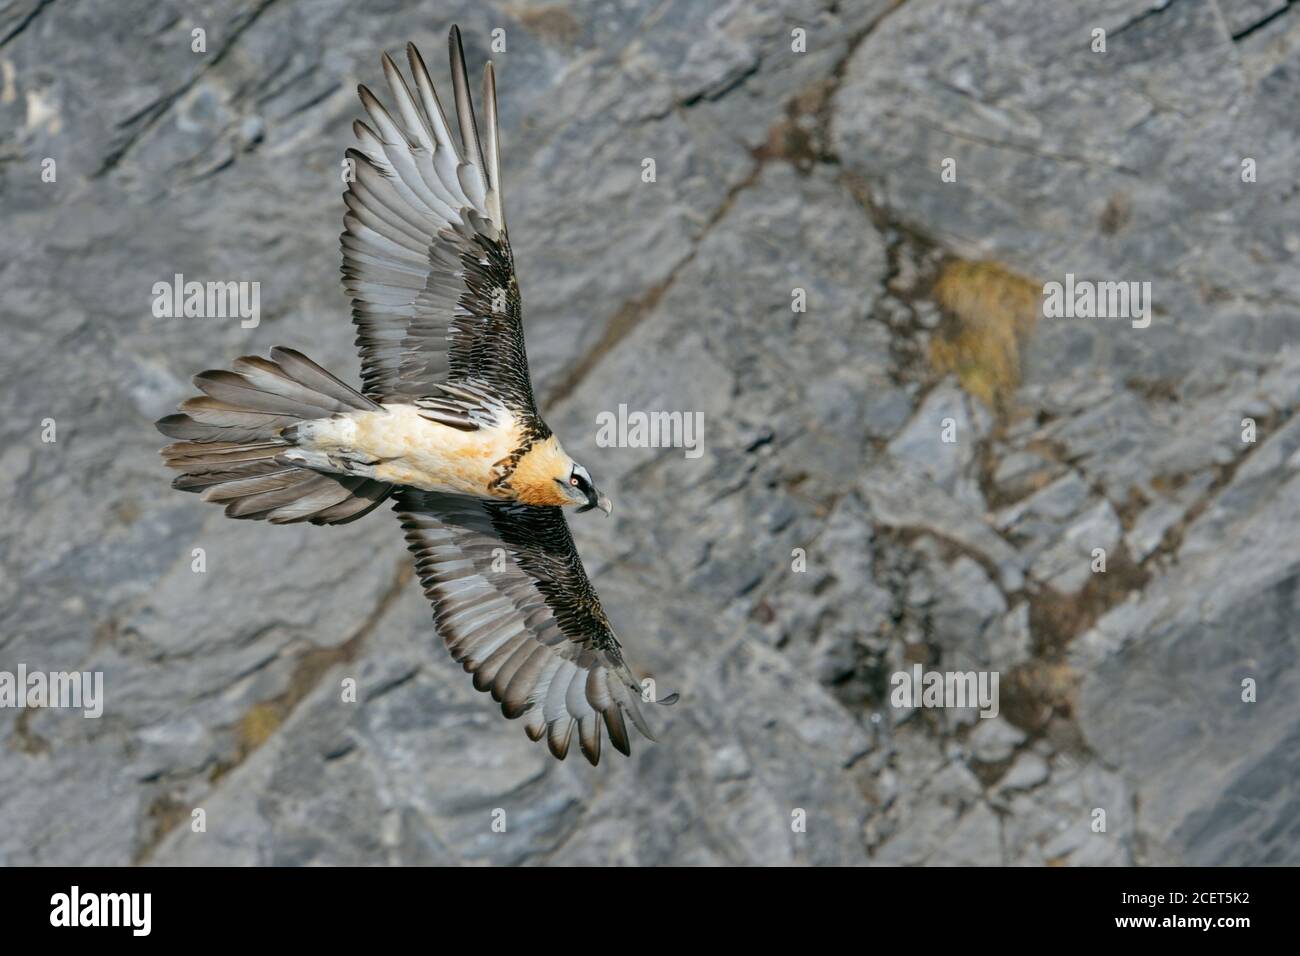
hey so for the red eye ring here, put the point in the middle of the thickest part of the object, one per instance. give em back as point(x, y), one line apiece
point(574, 482)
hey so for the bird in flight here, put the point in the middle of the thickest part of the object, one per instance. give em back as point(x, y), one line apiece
point(444, 423)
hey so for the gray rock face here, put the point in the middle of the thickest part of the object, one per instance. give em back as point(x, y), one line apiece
point(903, 461)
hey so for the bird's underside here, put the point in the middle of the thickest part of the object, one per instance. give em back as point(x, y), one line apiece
point(444, 424)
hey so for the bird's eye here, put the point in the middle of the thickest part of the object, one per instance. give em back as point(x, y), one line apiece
point(574, 481)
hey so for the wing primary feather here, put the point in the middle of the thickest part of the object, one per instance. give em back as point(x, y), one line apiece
point(634, 712)
point(617, 728)
point(534, 724)
point(559, 733)
point(429, 99)
point(472, 145)
point(406, 103)
point(589, 737)
point(492, 147)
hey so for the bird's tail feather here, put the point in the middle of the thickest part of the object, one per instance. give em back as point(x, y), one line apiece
point(230, 442)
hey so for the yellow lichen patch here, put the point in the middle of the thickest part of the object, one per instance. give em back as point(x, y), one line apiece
point(257, 725)
point(990, 313)
point(1037, 690)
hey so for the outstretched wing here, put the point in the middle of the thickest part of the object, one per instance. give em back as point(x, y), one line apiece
point(426, 258)
point(514, 606)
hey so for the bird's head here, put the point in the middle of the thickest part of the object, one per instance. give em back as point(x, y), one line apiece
point(580, 490)
point(546, 475)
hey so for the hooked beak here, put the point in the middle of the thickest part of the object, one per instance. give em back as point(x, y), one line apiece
point(598, 500)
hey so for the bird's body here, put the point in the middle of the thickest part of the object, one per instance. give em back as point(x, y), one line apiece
point(444, 424)
point(409, 449)
point(399, 444)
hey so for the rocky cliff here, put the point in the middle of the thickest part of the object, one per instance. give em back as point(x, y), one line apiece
point(941, 459)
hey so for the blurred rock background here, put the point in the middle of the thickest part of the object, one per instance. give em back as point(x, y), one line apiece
point(776, 171)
